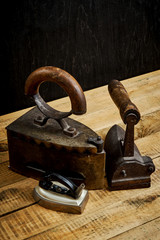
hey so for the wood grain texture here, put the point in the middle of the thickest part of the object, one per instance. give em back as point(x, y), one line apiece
point(106, 215)
point(14, 181)
point(16, 196)
point(7, 176)
point(95, 41)
point(140, 89)
point(147, 231)
point(128, 214)
point(4, 156)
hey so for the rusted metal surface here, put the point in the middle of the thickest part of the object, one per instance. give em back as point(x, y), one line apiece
point(98, 142)
point(68, 83)
point(125, 167)
point(125, 172)
point(46, 147)
point(45, 139)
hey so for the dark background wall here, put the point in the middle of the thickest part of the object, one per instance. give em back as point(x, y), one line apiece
point(94, 40)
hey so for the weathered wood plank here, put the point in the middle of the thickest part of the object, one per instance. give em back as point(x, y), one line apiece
point(149, 145)
point(16, 196)
point(147, 231)
point(14, 181)
point(102, 112)
point(4, 156)
point(7, 176)
point(100, 104)
point(104, 227)
point(148, 124)
point(106, 215)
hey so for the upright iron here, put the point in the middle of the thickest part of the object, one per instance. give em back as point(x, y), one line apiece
point(125, 167)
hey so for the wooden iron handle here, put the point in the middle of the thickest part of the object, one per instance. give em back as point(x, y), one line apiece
point(120, 97)
point(64, 80)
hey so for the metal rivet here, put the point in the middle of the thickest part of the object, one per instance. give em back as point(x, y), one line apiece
point(150, 169)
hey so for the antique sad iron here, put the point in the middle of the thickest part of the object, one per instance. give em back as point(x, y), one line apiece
point(45, 139)
point(125, 167)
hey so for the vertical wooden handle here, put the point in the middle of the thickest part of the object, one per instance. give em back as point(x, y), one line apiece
point(121, 98)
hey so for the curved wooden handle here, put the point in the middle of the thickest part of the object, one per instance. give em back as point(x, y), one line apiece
point(64, 80)
point(120, 97)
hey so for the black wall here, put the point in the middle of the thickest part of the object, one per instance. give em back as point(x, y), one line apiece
point(94, 40)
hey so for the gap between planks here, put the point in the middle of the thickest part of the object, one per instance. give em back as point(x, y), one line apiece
point(101, 220)
point(106, 213)
point(146, 231)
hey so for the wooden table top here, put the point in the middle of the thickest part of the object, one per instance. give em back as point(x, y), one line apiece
point(127, 214)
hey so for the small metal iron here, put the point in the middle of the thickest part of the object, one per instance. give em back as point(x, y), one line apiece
point(45, 139)
point(125, 167)
point(59, 193)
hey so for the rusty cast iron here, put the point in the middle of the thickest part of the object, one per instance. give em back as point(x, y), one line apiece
point(45, 139)
point(125, 167)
